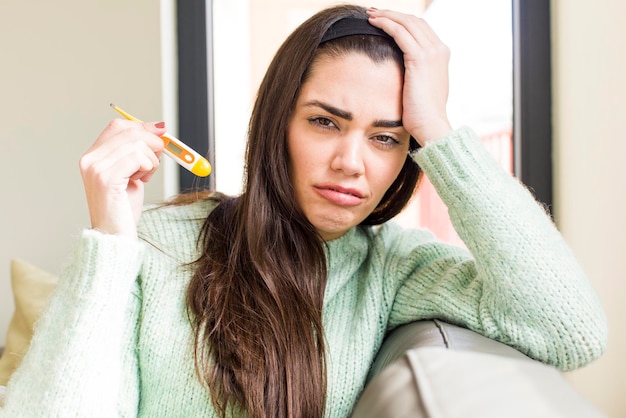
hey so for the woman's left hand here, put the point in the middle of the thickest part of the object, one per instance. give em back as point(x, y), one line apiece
point(426, 59)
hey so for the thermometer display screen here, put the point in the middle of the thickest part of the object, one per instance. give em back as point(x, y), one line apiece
point(174, 148)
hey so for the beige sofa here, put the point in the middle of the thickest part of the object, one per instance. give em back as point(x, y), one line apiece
point(431, 369)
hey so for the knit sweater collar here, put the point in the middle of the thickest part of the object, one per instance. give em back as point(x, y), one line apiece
point(344, 256)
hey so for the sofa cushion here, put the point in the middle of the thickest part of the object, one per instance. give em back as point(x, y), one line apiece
point(31, 290)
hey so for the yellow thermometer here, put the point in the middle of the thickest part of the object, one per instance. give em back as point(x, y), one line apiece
point(180, 152)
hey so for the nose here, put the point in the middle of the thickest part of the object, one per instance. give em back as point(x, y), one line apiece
point(348, 156)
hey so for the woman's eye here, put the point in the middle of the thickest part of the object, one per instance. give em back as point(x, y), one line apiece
point(386, 140)
point(322, 122)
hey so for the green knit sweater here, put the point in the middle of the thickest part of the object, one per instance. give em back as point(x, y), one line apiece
point(116, 340)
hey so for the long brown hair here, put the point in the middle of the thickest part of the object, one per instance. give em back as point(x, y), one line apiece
point(256, 297)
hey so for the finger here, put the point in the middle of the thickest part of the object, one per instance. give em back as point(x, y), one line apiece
point(156, 128)
point(119, 124)
point(399, 24)
point(114, 165)
point(148, 164)
point(409, 43)
point(134, 160)
point(117, 132)
point(146, 178)
point(412, 23)
point(150, 133)
point(122, 132)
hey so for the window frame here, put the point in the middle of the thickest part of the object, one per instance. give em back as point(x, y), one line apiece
point(532, 97)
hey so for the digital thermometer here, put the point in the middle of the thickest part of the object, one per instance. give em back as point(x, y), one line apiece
point(180, 152)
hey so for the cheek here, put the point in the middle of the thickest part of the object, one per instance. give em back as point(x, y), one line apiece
point(306, 154)
point(388, 172)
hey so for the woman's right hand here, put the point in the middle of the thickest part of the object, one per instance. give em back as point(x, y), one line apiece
point(114, 170)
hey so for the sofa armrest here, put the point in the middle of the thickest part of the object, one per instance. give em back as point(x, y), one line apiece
point(435, 333)
point(431, 369)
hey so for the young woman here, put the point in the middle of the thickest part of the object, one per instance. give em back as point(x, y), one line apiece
point(275, 302)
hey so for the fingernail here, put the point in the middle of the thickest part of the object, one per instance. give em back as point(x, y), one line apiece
point(160, 125)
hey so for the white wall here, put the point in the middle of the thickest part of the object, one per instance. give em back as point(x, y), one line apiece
point(61, 64)
point(589, 76)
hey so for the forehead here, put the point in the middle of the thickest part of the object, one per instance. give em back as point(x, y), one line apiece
point(353, 81)
point(329, 58)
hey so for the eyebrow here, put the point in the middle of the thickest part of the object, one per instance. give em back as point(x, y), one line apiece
point(378, 123)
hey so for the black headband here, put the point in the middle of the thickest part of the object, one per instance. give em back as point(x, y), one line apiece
point(352, 26)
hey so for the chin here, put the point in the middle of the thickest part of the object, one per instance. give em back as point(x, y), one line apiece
point(333, 230)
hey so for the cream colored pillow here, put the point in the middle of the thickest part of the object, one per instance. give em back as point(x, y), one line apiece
point(31, 290)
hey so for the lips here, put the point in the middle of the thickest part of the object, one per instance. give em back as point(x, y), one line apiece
point(342, 196)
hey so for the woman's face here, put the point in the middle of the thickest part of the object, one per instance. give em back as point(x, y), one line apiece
point(346, 141)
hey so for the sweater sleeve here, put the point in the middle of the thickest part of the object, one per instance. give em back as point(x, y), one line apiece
point(81, 361)
point(521, 284)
